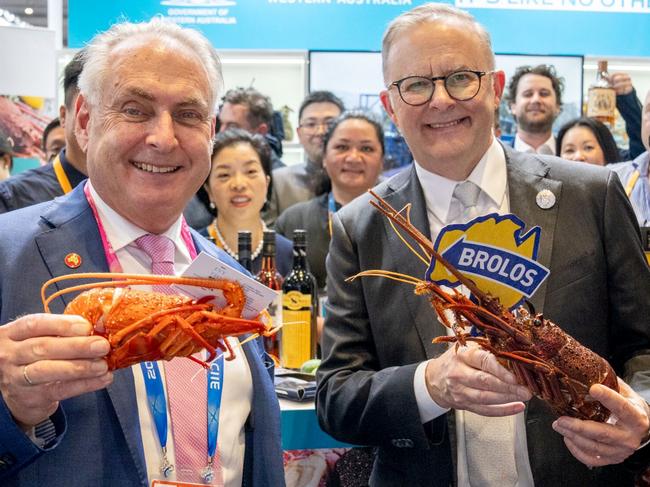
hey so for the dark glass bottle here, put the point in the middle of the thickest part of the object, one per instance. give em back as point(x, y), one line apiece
point(244, 240)
point(299, 309)
point(271, 278)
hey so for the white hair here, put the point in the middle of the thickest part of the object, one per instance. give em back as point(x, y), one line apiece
point(97, 54)
point(431, 12)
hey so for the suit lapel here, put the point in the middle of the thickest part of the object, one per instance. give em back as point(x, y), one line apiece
point(407, 189)
point(73, 229)
point(527, 176)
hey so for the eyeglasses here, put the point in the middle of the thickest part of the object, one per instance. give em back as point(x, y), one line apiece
point(314, 125)
point(460, 85)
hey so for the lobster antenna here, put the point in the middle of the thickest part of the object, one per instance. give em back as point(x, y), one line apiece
point(386, 209)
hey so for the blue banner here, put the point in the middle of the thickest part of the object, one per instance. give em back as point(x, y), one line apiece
point(586, 27)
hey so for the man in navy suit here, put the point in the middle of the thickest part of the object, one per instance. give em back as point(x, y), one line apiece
point(145, 120)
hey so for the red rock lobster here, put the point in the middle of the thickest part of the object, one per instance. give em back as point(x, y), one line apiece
point(552, 364)
point(145, 325)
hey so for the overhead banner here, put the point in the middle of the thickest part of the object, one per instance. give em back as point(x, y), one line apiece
point(548, 27)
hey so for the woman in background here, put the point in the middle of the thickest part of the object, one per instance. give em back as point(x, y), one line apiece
point(353, 160)
point(586, 140)
point(237, 187)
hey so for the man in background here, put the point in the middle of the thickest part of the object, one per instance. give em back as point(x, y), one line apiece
point(53, 139)
point(68, 168)
point(534, 97)
point(6, 157)
point(250, 110)
point(299, 182)
point(635, 174)
point(535, 100)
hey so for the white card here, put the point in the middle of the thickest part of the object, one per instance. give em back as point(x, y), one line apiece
point(258, 296)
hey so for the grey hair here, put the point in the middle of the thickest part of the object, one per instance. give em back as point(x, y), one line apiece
point(431, 12)
point(97, 54)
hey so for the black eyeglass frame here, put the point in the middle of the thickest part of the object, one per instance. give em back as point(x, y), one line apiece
point(444, 79)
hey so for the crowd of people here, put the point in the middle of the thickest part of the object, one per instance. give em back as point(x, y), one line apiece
point(149, 156)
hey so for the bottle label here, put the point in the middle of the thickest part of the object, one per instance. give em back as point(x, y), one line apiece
point(296, 340)
point(295, 300)
point(602, 102)
point(295, 347)
point(271, 343)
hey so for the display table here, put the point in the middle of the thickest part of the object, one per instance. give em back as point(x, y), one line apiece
point(300, 428)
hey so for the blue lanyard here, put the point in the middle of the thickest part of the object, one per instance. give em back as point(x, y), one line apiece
point(158, 408)
point(331, 209)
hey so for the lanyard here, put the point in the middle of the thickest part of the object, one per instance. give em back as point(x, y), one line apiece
point(61, 176)
point(631, 182)
point(151, 373)
point(331, 209)
point(158, 408)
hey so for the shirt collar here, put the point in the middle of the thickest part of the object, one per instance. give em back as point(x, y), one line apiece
point(490, 174)
point(121, 232)
point(521, 146)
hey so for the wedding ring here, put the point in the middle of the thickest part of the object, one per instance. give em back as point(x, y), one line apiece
point(27, 379)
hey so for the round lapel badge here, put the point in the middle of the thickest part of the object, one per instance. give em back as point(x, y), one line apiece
point(545, 199)
point(72, 260)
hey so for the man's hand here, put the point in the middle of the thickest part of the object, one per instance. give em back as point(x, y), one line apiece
point(621, 82)
point(46, 358)
point(597, 444)
point(472, 379)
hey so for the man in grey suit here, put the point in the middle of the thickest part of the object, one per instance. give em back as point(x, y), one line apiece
point(145, 118)
point(383, 383)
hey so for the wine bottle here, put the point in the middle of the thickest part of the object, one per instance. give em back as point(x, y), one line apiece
point(601, 98)
point(299, 308)
point(244, 240)
point(271, 278)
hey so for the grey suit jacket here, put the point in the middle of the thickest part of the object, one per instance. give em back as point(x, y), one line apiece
point(377, 331)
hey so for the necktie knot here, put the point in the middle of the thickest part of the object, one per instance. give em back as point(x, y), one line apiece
point(161, 251)
point(467, 194)
point(158, 247)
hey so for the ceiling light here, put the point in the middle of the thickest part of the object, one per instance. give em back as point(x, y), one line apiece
point(29, 10)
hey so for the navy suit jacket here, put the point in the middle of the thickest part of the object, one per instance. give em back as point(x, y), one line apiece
point(98, 434)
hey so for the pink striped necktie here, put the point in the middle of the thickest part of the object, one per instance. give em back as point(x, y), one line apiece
point(186, 384)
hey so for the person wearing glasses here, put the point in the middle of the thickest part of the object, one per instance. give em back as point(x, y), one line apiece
point(298, 182)
point(441, 415)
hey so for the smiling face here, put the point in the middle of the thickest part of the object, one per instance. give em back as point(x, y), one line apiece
point(148, 143)
point(535, 107)
point(353, 157)
point(313, 125)
point(237, 184)
point(446, 136)
point(580, 144)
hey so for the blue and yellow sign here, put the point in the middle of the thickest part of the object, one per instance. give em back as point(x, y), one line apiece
point(492, 251)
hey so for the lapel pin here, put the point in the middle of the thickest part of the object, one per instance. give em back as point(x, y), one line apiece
point(72, 260)
point(545, 199)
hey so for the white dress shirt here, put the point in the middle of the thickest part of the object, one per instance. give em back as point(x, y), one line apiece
point(547, 148)
point(490, 174)
point(237, 385)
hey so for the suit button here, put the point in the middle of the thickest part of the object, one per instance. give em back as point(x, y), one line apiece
point(7, 460)
point(402, 443)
